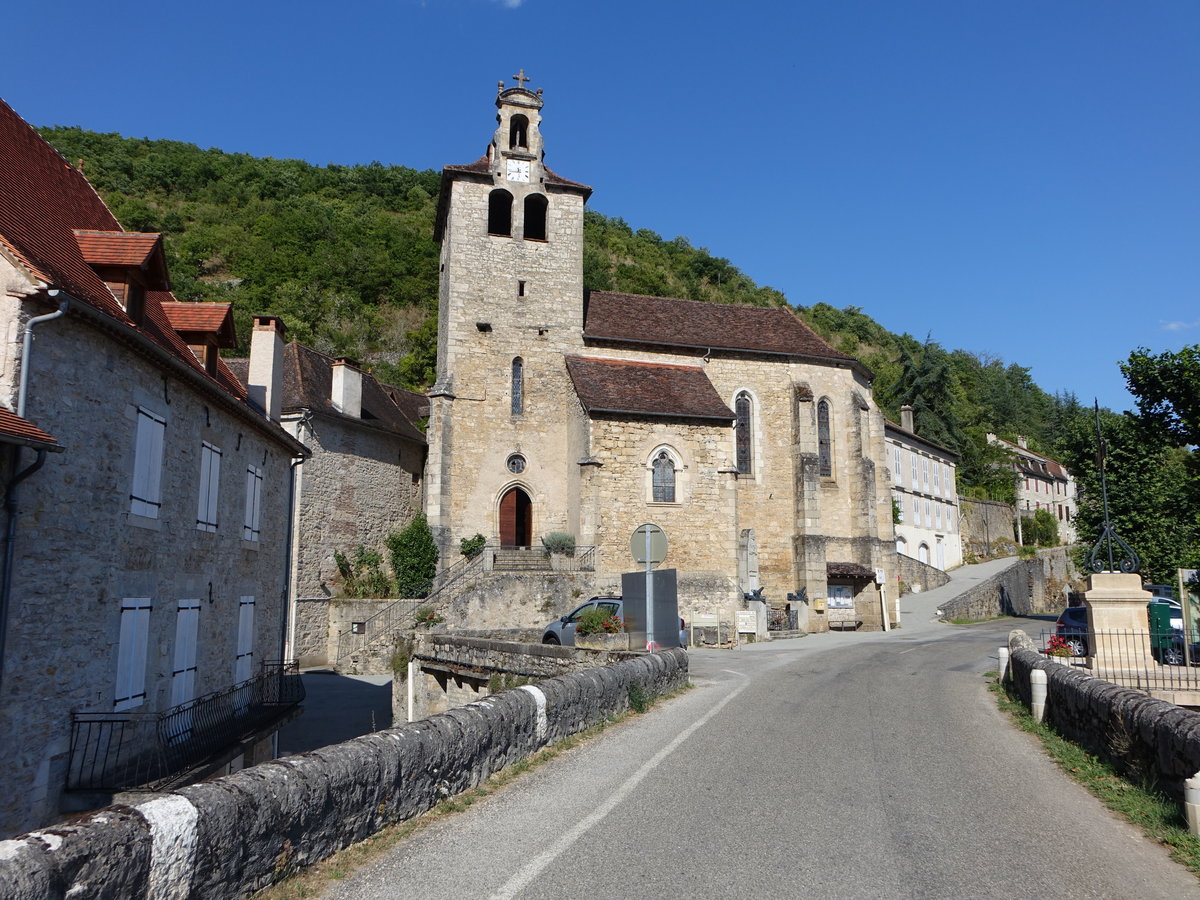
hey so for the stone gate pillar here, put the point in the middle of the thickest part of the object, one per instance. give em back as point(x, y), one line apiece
point(1118, 622)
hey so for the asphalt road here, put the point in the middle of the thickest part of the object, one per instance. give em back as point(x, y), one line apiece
point(832, 766)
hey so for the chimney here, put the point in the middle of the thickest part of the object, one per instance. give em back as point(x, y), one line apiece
point(265, 380)
point(346, 395)
point(906, 418)
point(1022, 442)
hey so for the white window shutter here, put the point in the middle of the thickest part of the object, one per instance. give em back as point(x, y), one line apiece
point(187, 628)
point(147, 465)
point(131, 654)
point(245, 641)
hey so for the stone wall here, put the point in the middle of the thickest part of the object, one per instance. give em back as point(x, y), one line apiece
point(988, 527)
point(235, 835)
point(1027, 588)
point(1151, 739)
point(919, 576)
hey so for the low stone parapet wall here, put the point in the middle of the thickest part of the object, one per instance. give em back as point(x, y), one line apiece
point(919, 576)
point(1152, 739)
point(235, 835)
point(1029, 587)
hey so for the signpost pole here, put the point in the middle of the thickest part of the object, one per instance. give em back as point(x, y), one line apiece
point(650, 645)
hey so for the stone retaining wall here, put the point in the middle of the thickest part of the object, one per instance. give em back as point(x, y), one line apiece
point(919, 576)
point(1030, 587)
point(235, 835)
point(988, 527)
point(1150, 738)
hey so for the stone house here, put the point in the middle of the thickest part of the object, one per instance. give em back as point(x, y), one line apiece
point(144, 573)
point(362, 479)
point(925, 494)
point(755, 445)
point(1042, 483)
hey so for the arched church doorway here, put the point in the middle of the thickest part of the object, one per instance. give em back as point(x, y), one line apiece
point(516, 519)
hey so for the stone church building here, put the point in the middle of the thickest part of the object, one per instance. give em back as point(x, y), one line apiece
point(756, 446)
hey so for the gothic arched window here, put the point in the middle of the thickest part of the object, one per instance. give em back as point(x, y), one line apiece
point(535, 217)
point(518, 133)
point(500, 213)
point(743, 434)
point(824, 441)
point(664, 478)
point(518, 386)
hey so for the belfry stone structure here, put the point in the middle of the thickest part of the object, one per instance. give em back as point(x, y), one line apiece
point(755, 445)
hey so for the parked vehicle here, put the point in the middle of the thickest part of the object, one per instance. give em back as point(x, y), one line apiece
point(562, 631)
point(1072, 627)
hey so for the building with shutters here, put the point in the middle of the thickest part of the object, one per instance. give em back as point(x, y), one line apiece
point(146, 528)
point(755, 445)
point(925, 494)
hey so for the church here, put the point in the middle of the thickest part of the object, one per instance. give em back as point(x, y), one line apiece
point(756, 446)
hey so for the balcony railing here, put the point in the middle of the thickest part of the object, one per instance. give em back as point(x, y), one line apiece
point(116, 751)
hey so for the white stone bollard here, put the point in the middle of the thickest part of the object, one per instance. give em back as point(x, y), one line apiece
point(1191, 803)
point(1037, 691)
point(1003, 654)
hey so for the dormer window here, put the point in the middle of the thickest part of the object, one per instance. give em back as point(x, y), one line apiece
point(128, 262)
point(518, 133)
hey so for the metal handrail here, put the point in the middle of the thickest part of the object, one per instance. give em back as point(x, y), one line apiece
point(123, 750)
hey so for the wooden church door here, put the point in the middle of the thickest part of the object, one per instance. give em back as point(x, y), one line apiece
point(516, 523)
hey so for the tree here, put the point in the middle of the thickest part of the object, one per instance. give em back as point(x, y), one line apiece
point(926, 383)
point(1167, 389)
point(413, 555)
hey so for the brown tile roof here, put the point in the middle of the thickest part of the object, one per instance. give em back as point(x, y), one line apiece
point(308, 384)
point(848, 570)
point(652, 389)
point(207, 318)
point(116, 248)
point(15, 430)
point(638, 319)
point(45, 207)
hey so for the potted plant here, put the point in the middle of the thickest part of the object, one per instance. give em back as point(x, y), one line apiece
point(599, 629)
point(1058, 650)
point(560, 545)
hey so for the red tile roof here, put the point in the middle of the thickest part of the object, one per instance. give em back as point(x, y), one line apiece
point(117, 248)
point(209, 318)
point(652, 389)
point(15, 430)
point(637, 319)
point(45, 205)
point(848, 570)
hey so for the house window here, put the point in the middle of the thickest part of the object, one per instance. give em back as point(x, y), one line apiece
point(131, 654)
point(146, 495)
point(664, 478)
point(937, 478)
point(500, 213)
point(928, 515)
point(824, 445)
point(518, 386)
point(187, 628)
point(535, 217)
point(254, 479)
point(897, 469)
point(898, 499)
point(937, 515)
point(743, 436)
point(916, 481)
point(210, 479)
point(925, 471)
point(923, 553)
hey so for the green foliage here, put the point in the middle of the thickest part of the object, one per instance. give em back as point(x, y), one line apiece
point(1153, 491)
point(639, 698)
point(413, 555)
point(1040, 529)
point(427, 615)
point(598, 621)
point(897, 515)
point(1167, 388)
point(471, 547)
point(362, 576)
point(559, 542)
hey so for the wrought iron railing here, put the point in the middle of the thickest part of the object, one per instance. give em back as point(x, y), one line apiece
point(400, 615)
point(1142, 660)
point(783, 620)
point(115, 751)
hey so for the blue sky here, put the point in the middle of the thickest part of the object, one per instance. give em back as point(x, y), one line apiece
point(1017, 179)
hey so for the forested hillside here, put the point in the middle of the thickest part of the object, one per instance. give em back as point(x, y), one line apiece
point(345, 255)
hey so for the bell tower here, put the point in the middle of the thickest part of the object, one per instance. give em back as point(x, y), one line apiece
point(510, 307)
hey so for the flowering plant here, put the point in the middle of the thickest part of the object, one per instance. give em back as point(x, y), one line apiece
point(599, 621)
point(1058, 646)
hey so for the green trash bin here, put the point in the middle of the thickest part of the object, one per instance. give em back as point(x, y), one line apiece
point(1162, 636)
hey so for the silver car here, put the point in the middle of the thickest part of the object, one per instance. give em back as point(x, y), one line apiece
point(562, 631)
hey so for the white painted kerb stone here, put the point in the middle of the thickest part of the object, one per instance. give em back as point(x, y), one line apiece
point(540, 699)
point(172, 822)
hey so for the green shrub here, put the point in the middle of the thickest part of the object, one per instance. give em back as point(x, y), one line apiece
point(598, 621)
point(362, 576)
point(414, 558)
point(639, 698)
point(427, 615)
point(473, 546)
point(559, 542)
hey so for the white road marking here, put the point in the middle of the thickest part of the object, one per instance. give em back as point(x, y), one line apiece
point(540, 863)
